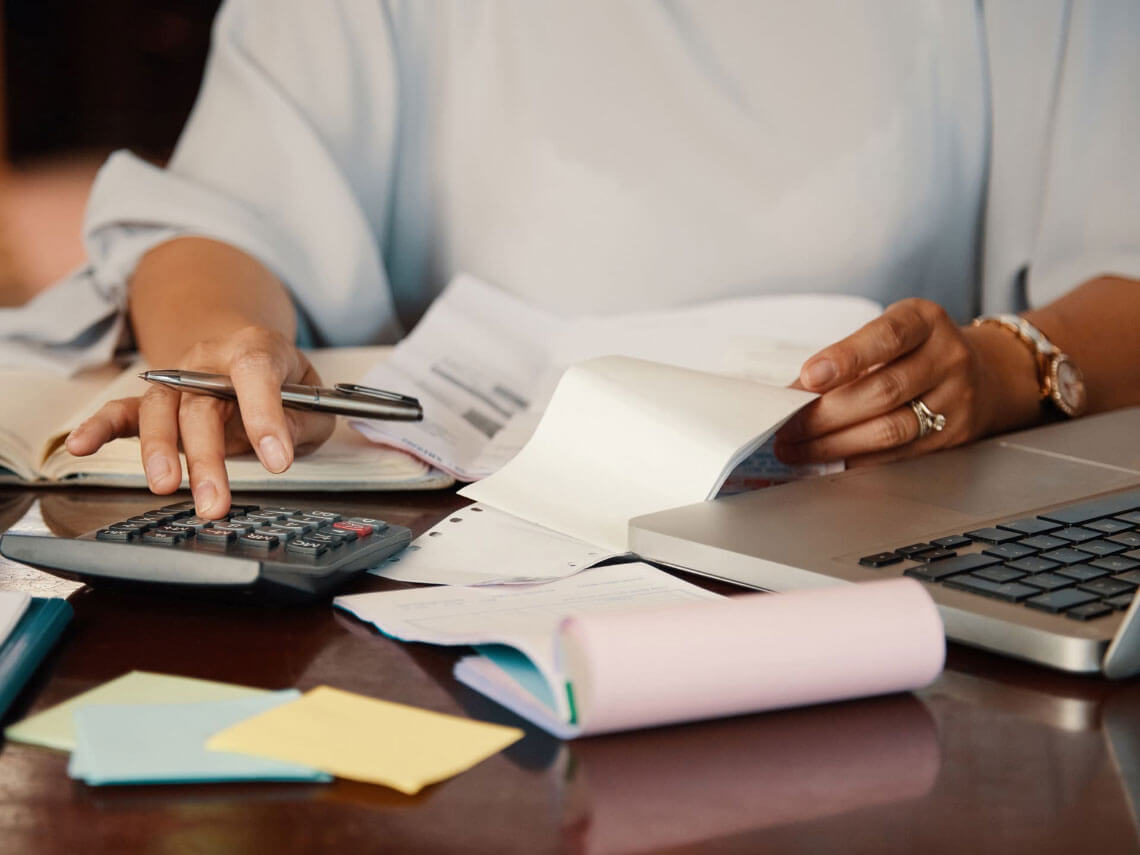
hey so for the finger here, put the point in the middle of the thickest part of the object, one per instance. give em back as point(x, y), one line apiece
point(158, 437)
point(113, 420)
point(201, 423)
point(257, 376)
point(900, 329)
point(876, 393)
point(895, 433)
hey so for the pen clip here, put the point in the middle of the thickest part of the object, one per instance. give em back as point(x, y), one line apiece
point(375, 394)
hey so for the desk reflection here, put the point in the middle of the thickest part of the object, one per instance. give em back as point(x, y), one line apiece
point(680, 786)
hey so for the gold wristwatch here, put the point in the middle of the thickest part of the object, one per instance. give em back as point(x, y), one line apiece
point(1059, 380)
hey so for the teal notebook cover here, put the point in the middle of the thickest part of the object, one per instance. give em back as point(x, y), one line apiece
point(28, 644)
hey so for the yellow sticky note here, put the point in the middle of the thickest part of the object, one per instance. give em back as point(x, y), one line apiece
point(366, 739)
point(54, 727)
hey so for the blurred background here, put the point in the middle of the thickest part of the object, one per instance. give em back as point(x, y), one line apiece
point(81, 78)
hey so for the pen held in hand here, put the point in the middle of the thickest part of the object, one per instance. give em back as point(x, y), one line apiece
point(344, 399)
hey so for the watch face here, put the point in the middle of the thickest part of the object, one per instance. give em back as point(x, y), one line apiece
point(1068, 387)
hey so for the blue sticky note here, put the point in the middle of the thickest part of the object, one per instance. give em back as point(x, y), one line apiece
point(166, 744)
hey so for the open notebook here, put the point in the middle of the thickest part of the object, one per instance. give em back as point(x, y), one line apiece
point(42, 408)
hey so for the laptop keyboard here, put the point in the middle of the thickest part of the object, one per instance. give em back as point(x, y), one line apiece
point(1082, 560)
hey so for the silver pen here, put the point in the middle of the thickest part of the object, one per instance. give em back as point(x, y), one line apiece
point(344, 399)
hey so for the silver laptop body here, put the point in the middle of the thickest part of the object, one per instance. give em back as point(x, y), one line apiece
point(813, 533)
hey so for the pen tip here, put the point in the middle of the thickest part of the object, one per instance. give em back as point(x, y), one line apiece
point(143, 375)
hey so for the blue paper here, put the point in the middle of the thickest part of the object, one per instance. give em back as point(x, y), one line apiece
point(166, 744)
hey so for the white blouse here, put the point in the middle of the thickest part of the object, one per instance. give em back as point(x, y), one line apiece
point(595, 156)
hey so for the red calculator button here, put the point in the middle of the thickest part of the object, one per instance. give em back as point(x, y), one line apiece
point(359, 529)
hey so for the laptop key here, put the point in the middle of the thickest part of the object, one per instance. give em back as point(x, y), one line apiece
point(1001, 574)
point(1030, 525)
point(1048, 581)
point(1101, 548)
point(1043, 542)
point(940, 570)
point(1082, 572)
point(935, 555)
point(1059, 601)
point(1089, 611)
point(1076, 534)
point(1132, 577)
point(992, 535)
point(1109, 506)
point(1106, 587)
point(1131, 539)
point(954, 541)
point(1033, 564)
point(1009, 551)
point(1115, 563)
point(1012, 592)
point(1066, 555)
point(1109, 525)
point(910, 551)
point(1120, 602)
point(1130, 517)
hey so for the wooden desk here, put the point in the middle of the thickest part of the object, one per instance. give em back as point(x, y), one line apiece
point(995, 757)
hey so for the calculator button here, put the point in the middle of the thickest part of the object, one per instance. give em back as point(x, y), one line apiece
point(283, 512)
point(358, 529)
point(880, 559)
point(216, 535)
point(236, 528)
point(316, 522)
point(251, 522)
point(293, 525)
point(992, 535)
point(277, 531)
point(305, 546)
point(196, 523)
point(120, 535)
point(158, 517)
point(334, 540)
point(259, 540)
point(130, 526)
point(267, 515)
point(142, 521)
point(377, 525)
point(164, 536)
point(329, 516)
point(180, 507)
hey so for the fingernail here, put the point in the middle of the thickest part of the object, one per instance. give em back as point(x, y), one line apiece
point(273, 454)
point(819, 373)
point(204, 497)
point(157, 468)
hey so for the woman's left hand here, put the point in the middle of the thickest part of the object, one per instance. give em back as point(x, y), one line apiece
point(980, 379)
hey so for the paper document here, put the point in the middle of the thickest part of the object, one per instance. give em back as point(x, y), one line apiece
point(366, 739)
point(166, 744)
point(484, 363)
point(479, 545)
point(523, 617)
point(54, 727)
point(623, 437)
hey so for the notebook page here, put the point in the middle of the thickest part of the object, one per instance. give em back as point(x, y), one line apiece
point(624, 437)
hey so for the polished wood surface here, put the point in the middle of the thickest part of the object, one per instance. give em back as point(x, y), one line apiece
point(996, 756)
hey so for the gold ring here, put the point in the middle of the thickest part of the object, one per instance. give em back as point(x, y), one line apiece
point(928, 420)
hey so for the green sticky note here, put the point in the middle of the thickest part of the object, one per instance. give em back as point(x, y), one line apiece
point(54, 727)
point(165, 743)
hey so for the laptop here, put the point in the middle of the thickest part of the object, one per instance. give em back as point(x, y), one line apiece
point(1028, 542)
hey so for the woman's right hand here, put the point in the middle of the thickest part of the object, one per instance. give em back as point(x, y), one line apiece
point(258, 361)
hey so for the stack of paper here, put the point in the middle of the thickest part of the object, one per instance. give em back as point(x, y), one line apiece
point(628, 646)
point(145, 728)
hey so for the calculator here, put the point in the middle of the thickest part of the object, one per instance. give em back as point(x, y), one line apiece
point(254, 551)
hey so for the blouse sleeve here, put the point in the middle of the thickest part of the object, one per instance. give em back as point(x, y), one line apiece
point(1090, 212)
point(287, 155)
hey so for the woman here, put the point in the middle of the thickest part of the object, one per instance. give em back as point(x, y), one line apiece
point(344, 160)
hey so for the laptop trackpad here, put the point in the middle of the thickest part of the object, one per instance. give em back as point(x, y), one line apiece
point(990, 480)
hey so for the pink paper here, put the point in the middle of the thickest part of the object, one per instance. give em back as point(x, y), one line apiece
point(750, 653)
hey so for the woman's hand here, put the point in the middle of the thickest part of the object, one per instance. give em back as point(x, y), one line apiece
point(982, 379)
point(258, 361)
